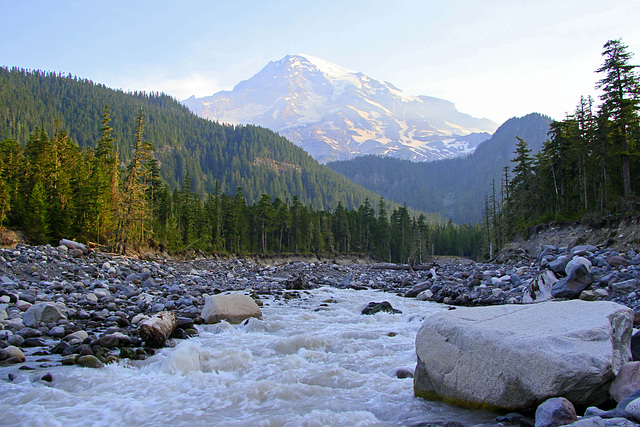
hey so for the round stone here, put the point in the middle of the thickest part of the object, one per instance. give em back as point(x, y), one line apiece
point(13, 351)
point(89, 361)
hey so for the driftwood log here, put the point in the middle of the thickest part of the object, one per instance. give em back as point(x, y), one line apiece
point(156, 330)
point(74, 245)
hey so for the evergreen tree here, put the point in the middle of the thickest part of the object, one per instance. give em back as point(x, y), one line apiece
point(135, 208)
point(37, 223)
point(103, 183)
point(621, 103)
point(522, 191)
point(265, 215)
point(382, 231)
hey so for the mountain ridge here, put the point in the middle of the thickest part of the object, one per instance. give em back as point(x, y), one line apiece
point(335, 113)
point(456, 187)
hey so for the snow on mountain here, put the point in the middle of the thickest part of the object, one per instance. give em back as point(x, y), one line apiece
point(336, 114)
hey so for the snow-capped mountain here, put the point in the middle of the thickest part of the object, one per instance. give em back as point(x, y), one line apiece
point(336, 114)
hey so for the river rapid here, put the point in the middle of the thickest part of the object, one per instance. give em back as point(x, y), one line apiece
point(311, 361)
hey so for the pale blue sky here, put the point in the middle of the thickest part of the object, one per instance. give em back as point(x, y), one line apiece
point(492, 58)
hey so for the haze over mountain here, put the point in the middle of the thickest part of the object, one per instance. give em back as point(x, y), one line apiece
point(336, 114)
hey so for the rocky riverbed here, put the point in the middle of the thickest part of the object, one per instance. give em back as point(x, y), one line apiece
point(71, 305)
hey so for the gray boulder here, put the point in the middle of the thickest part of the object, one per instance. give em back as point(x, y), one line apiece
point(578, 280)
point(234, 308)
point(514, 357)
point(559, 264)
point(627, 381)
point(576, 263)
point(44, 312)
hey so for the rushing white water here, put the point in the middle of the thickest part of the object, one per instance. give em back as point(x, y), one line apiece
point(312, 361)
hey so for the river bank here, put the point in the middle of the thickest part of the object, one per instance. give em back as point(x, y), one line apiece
point(101, 298)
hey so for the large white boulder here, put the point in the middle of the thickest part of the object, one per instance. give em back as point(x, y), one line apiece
point(514, 357)
point(234, 308)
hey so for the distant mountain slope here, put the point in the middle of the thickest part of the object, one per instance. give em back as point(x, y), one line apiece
point(336, 114)
point(454, 188)
point(254, 158)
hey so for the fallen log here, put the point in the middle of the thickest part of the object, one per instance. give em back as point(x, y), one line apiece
point(74, 245)
point(156, 330)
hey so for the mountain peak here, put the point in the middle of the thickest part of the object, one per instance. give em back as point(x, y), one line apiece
point(325, 67)
point(335, 113)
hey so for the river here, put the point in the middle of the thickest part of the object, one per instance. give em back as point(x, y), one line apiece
point(311, 361)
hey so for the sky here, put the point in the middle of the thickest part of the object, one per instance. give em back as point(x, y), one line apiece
point(492, 58)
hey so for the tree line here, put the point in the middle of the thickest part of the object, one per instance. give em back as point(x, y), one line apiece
point(587, 168)
point(51, 188)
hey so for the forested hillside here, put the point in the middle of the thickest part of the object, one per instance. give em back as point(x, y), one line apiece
point(66, 171)
point(587, 169)
point(454, 188)
point(254, 158)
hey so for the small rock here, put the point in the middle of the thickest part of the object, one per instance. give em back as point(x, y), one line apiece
point(89, 361)
point(633, 410)
point(127, 353)
point(57, 332)
point(23, 305)
point(584, 249)
point(60, 347)
point(627, 381)
point(298, 284)
point(109, 341)
point(15, 352)
point(138, 318)
point(588, 295)
point(16, 340)
point(624, 287)
point(617, 261)
point(403, 373)
point(417, 289)
point(575, 263)
point(69, 359)
point(76, 337)
point(47, 377)
point(554, 412)
point(29, 333)
point(559, 265)
point(34, 342)
point(376, 307)
point(425, 295)
point(572, 285)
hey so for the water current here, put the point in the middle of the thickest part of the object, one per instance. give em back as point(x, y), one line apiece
point(311, 361)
